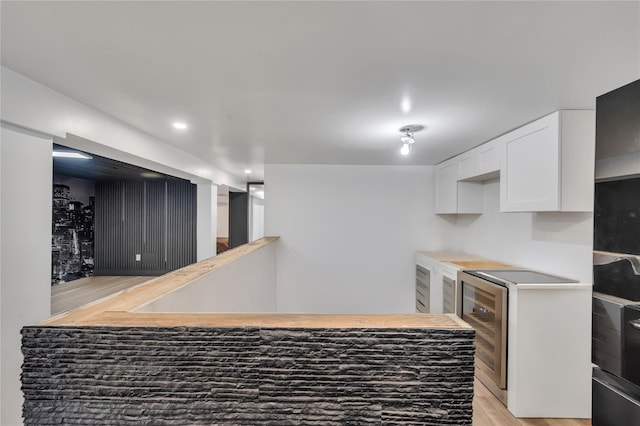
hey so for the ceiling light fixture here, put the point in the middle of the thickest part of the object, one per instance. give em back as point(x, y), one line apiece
point(247, 171)
point(71, 154)
point(407, 140)
point(179, 125)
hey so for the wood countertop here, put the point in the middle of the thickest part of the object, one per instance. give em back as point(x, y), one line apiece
point(119, 309)
point(128, 300)
point(465, 261)
point(272, 320)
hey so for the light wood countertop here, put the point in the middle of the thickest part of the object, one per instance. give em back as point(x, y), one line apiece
point(119, 309)
point(465, 261)
point(275, 320)
point(127, 301)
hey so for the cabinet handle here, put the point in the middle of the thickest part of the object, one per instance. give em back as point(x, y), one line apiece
point(635, 324)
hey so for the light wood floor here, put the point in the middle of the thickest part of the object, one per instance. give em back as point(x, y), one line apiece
point(67, 296)
point(488, 411)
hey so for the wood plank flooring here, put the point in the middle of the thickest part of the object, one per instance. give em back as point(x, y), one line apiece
point(488, 411)
point(67, 296)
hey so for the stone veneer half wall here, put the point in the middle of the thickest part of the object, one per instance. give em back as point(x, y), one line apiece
point(247, 376)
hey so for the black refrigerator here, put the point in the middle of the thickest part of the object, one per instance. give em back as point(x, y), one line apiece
point(616, 259)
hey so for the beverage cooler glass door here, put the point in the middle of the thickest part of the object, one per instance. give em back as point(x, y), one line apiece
point(484, 307)
point(448, 295)
point(423, 288)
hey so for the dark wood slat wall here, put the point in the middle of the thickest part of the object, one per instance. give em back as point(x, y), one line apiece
point(156, 219)
point(183, 206)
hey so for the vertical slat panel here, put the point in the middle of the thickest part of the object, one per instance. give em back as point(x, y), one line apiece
point(147, 219)
point(182, 225)
point(155, 230)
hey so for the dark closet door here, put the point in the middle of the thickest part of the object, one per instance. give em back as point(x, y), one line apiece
point(238, 219)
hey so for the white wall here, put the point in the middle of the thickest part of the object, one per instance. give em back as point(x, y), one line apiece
point(246, 285)
point(348, 235)
point(25, 253)
point(206, 220)
point(257, 218)
point(558, 243)
point(223, 216)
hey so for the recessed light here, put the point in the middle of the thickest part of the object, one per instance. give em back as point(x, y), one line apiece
point(71, 154)
point(150, 175)
point(179, 125)
point(247, 171)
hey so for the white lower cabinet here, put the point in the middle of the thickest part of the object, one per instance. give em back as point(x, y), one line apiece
point(549, 351)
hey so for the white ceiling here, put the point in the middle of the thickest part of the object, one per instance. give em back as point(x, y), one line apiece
point(323, 82)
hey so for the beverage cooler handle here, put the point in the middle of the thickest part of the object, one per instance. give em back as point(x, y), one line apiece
point(635, 324)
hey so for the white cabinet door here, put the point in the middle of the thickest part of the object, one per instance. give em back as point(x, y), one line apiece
point(446, 187)
point(531, 168)
point(482, 163)
point(488, 160)
point(548, 165)
point(467, 164)
point(453, 196)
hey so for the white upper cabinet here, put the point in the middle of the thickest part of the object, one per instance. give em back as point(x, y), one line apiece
point(482, 163)
point(467, 164)
point(452, 195)
point(446, 187)
point(544, 166)
point(548, 165)
point(489, 157)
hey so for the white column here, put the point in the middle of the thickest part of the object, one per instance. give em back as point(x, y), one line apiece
point(25, 253)
point(207, 220)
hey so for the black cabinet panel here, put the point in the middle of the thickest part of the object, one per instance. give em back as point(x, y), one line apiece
point(615, 401)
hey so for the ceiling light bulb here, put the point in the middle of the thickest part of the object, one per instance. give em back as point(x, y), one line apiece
point(407, 137)
point(180, 126)
point(406, 105)
point(247, 171)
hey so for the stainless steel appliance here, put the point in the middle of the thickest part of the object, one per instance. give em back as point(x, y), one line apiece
point(631, 352)
point(616, 260)
point(616, 330)
point(615, 400)
point(483, 303)
point(449, 273)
